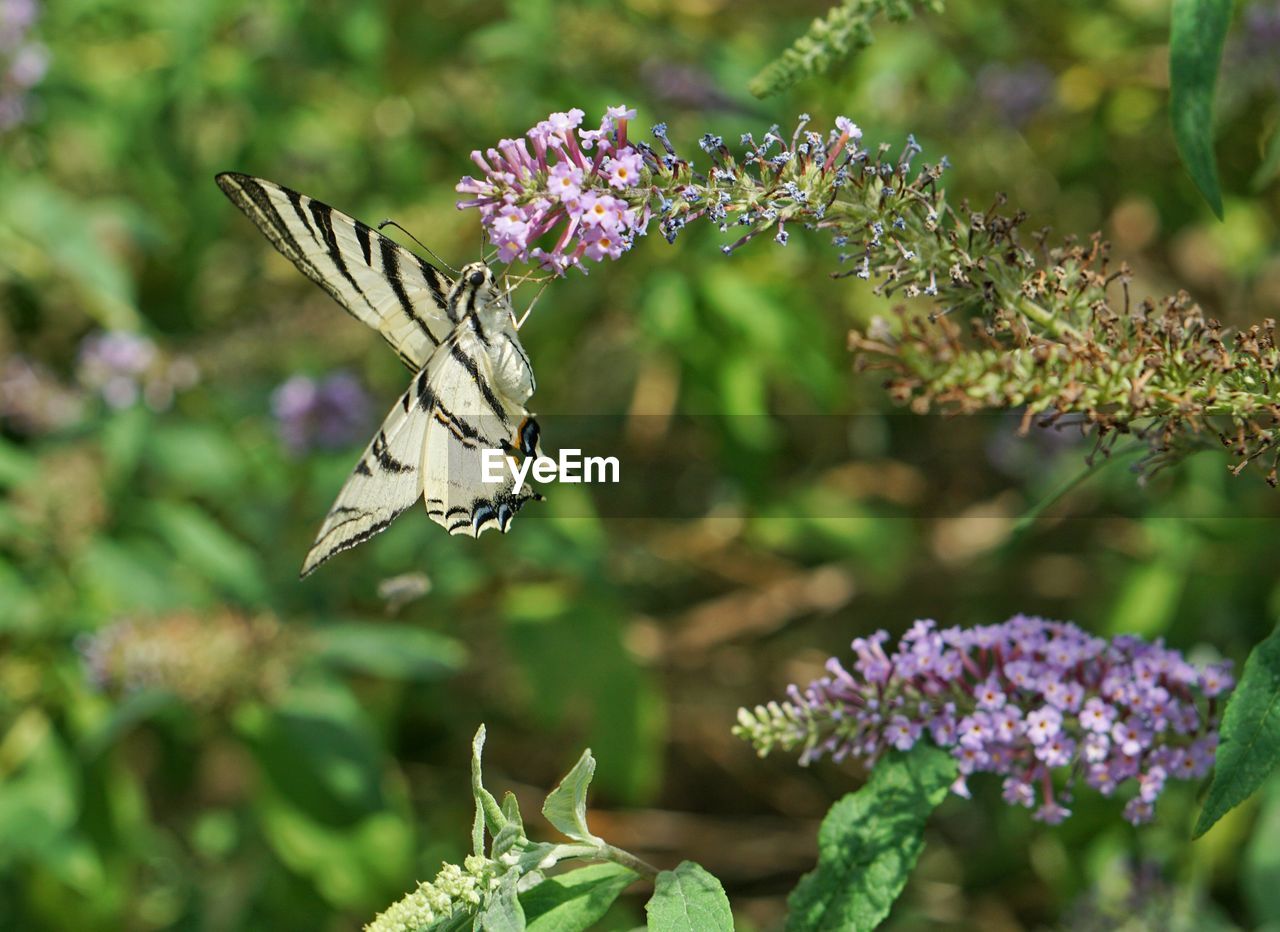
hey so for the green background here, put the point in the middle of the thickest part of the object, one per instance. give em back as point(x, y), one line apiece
point(314, 794)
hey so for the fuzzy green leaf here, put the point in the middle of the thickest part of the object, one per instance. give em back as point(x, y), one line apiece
point(869, 843)
point(575, 900)
point(1197, 31)
point(688, 899)
point(1250, 746)
point(488, 813)
point(502, 911)
point(566, 806)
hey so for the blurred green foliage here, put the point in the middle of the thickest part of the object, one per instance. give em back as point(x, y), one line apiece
point(317, 800)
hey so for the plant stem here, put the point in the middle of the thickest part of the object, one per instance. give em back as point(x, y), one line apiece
point(627, 859)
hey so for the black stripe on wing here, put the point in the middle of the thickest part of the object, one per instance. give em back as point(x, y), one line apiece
point(304, 230)
point(483, 513)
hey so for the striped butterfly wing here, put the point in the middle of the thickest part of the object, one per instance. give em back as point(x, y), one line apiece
point(469, 415)
point(432, 444)
point(374, 278)
point(386, 481)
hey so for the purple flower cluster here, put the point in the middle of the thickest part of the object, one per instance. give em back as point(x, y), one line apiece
point(566, 194)
point(123, 366)
point(326, 414)
point(1253, 50)
point(1026, 699)
point(22, 62)
point(209, 659)
point(1015, 92)
point(569, 189)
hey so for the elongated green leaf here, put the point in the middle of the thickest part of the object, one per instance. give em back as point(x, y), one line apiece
point(502, 910)
point(16, 464)
point(1250, 746)
point(389, 650)
point(1198, 29)
point(201, 543)
point(575, 900)
point(869, 843)
point(566, 806)
point(511, 837)
point(688, 899)
point(488, 812)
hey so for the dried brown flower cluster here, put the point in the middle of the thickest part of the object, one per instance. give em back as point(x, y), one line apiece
point(212, 660)
point(1054, 333)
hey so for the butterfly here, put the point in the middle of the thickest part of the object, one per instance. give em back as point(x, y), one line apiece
point(472, 377)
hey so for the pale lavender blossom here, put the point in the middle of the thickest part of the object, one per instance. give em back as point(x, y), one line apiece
point(1250, 58)
point(545, 199)
point(23, 61)
point(1042, 703)
point(328, 413)
point(124, 367)
point(565, 194)
point(1016, 92)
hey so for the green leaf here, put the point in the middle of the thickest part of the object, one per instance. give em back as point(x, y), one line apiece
point(869, 843)
point(566, 806)
point(134, 708)
point(39, 787)
point(16, 464)
point(1270, 166)
point(1260, 864)
point(349, 864)
point(1197, 31)
point(200, 542)
point(196, 458)
point(1250, 746)
point(575, 900)
point(318, 750)
point(389, 650)
point(502, 910)
point(511, 836)
point(688, 899)
point(488, 812)
point(48, 234)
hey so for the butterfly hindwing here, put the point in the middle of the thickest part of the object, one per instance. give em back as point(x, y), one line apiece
point(378, 281)
point(386, 481)
point(471, 414)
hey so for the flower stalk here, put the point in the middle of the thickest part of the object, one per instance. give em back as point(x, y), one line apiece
point(1051, 330)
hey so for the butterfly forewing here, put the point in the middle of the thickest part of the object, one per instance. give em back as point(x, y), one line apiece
point(378, 281)
point(386, 481)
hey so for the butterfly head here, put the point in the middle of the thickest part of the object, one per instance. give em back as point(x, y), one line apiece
point(477, 274)
point(477, 290)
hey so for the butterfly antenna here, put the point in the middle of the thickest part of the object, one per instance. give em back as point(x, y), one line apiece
point(431, 252)
point(529, 310)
